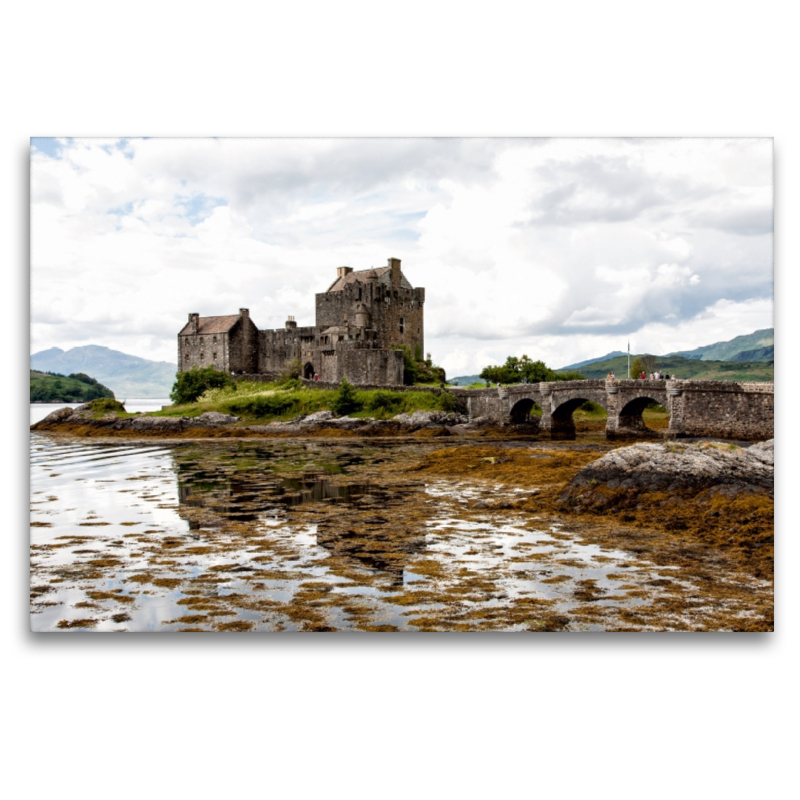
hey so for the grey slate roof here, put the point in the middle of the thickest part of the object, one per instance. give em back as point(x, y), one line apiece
point(212, 325)
point(383, 274)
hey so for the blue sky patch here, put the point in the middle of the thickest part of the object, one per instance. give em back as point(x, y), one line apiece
point(49, 145)
point(199, 207)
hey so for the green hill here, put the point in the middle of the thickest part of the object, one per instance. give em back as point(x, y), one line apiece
point(728, 351)
point(581, 364)
point(76, 388)
point(127, 375)
point(688, 369)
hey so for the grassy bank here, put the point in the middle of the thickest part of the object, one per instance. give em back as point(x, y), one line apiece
point(266, 402)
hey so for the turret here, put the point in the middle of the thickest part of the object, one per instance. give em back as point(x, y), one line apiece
point(362, 316)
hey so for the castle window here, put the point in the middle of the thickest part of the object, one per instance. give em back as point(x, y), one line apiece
point(359, 292)
point(214, 357)
point(401, 325)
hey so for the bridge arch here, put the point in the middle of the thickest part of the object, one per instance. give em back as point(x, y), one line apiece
point(524, 411)
point(562, 420)
point(631, 418)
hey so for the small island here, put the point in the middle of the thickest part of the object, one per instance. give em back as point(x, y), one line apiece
point(51, 387)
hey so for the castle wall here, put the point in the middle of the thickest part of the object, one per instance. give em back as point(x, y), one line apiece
point(203, 350)
point(398, 319)
point(241, 347)
point(277, 347)
point(333, 307)
point(360, 365)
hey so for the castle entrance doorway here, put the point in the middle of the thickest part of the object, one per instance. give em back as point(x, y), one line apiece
point(308, 371)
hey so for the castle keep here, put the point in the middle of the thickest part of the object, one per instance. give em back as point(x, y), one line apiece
point(361, 317)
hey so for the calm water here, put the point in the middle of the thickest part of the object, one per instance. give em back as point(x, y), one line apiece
point(302, 536)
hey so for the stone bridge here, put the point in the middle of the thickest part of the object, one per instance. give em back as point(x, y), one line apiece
point(723, 409)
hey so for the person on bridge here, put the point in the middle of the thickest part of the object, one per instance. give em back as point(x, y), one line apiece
point(642, 376)
point(611, 376)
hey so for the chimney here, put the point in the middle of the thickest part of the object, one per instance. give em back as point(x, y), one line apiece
point(290, 324)
point(244, 312)
point(194, 322)
point(342, 271)
point(394, 266)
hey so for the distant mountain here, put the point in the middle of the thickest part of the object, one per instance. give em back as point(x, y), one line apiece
point(730, 350)
point(465, 380)
point(591, 361)
point(759, 354)
point(126, 375)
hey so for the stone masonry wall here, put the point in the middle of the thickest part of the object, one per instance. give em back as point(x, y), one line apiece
point(242, 346)
point(727, 409)
point(199, 350)
point(277, 347)
point(362, 365)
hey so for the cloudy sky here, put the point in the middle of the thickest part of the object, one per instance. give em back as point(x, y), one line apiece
point(562, 249)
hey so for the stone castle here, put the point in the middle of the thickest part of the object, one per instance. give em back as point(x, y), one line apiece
point(363, 321)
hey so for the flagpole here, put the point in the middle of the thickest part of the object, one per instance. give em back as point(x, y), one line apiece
point(629, 358)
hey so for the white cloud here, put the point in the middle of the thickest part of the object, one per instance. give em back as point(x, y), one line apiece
point(560, 249)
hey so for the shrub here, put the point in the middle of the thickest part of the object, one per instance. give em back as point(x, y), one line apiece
point(449, 402)
point(415, 370)
point(190, 385)
point(346, 400)
point(381, 400)
point(265, 405)
point(290, 375)
point(103, 405)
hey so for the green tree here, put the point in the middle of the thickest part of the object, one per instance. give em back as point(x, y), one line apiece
point(525, 370)
point(346, 400)
point(415, 370)
point(570, 376)
point(519, 370)
point(190, 385)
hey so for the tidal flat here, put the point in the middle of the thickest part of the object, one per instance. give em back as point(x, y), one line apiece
point(368, 535)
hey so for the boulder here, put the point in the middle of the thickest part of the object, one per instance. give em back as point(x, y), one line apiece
point(424, 419)
point(59, 415)
point(668, 466)
point(318, 416)
point(216, 418)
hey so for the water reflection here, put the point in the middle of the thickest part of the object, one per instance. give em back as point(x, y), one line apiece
point(316, 536)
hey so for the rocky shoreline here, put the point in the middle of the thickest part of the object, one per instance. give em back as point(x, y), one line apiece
point(83, 420)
